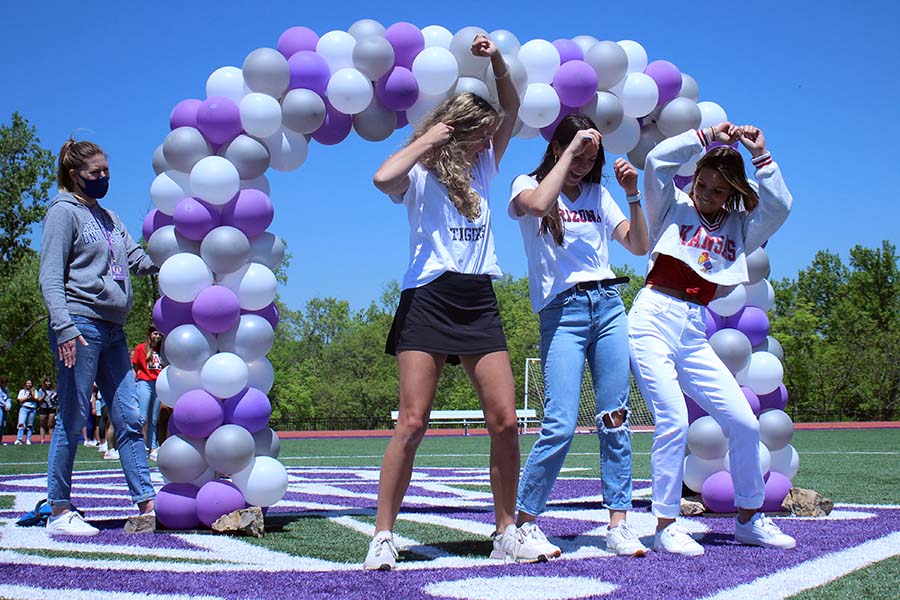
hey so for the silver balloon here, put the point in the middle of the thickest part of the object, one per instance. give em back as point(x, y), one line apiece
point(184, 147)
point(706, 440)
point(376, 122)
point(266, 70)
point(225, 249)
point(188, 348)
point(302, 111)
point(180, 459)
point(775, 429)
point(229, 449)
point(585, 42)
point(606, 111)
point(159, 161)
point(267, 443)
point(261, 375)
point(365, 28)
point(373, 56)
point(249, 156)
point(732, 347)
point(689, 87)
point(250, 339)
point(758, 266)
point(677, 116)
point(609, 61)
point(267, 249)
point(461, 48)
point(165, 242)
point(650, 137)
point(772, 346)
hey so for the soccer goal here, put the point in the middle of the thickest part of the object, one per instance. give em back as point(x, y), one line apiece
point(641, 419)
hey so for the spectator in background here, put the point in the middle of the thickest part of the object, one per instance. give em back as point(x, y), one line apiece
point(28, 401)
point(47, 403)
point(147, 365)
point(5, 405)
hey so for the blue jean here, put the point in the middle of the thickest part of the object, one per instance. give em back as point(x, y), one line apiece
point(577, 326)
point(105, 360)
point(26, 421)
point(149, 407)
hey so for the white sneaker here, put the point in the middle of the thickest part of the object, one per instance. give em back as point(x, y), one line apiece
point(18, 443)
point(102, 447)
point(153, 454)
point(546, 549)
point(675, 540)
point(111, 454)
point(382, 555)
point(761, 531)
point(27, 442)
point(70, 523)
point(624, 541)
point(90, 443)
point(513, 546)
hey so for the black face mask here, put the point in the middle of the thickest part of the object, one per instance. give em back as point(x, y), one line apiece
point(95, 188)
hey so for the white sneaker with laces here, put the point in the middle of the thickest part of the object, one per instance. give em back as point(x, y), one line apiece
point(102, 447)
point(546, 549)
point(382, 555)
point(624, 541)
point(761, 531)
point(675, 540)
point(111, 454)
point(513, 546)
point(70, 523)
point(153, 454)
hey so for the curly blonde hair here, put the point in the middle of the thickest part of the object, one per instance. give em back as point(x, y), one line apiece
point(471, 116)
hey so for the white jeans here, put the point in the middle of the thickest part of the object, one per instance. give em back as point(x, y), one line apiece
point(670, 353)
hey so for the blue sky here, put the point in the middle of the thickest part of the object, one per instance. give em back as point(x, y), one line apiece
point(819, 78)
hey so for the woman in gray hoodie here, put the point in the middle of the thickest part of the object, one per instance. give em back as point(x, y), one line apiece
point(86, 254)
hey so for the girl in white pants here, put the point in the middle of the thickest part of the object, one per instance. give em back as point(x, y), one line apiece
point(699, 243)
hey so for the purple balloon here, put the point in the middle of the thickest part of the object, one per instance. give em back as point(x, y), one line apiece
point(198, 413)
point(185, 114)
point(194, 218)
point(575, 82)
point(269, 313)
point(568, 50)
point(172, 428)
point(251, 211)
point(718, 493)
point(297, 39)
point(407, 42)
point(216, 309)
point(309, 71)
point(713, 322)
point(667, 78)
point(169, 314)
point(176, 506)
point(153, 221)
point(682, 181)
point(250, 409)
point(752, 322)
point(777, 399)
point(694, 410)
point(219, 119)
point(777, 487)
point(336, 127)
point(217, 498)
point(548, 130)
point(398, 89)
point(402, 120)
point(752, 399)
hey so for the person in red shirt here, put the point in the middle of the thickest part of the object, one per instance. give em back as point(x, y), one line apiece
point(146, 361)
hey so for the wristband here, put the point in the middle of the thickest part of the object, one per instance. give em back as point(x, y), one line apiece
point(634, 198)
point(762, 160)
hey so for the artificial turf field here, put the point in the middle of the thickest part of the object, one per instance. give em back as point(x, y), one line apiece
point(325, 522)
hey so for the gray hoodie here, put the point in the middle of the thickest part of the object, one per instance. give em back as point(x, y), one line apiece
point(75, 277)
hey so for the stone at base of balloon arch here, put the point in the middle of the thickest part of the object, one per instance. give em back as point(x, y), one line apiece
point(807, 503)
point(246, 521)
point(692, 506)
point(140, 524)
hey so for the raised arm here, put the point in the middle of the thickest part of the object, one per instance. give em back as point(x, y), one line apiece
point(506, 93)
point(392, 177)
point(775, 199)
point(631, 233)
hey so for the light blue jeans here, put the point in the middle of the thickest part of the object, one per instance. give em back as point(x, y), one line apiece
point(577, 326)
point(26, 421)
point(105, 360)
point(148, 404)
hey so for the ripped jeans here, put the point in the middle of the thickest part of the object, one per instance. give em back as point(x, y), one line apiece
point(576, 326)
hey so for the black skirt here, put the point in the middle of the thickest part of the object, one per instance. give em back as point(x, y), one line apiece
point(456, 314)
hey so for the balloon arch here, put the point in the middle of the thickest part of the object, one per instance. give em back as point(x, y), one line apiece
point(208, 230)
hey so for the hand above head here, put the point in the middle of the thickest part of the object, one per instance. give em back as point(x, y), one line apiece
point(726, 133)
point(626, 175)
point(584, 139)
point(483, 46)
point(753, 140)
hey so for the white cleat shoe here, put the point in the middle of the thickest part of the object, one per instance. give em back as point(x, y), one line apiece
point(70, 523)
point(532, 534)
point(624, 541)
point(382, 555)
point(761, 531)
point(675, 540)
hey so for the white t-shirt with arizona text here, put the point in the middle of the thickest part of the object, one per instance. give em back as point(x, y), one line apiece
point(588, 222)
point(441, 239)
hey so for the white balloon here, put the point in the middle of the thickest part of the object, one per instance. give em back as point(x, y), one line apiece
point(786, 461)
point(540, 105)
point(541, 60)
point(261, 375)
point(287, 150)
point(730, 303)
point(349, 91)
point(183, 276)
point(637, 56)
point(689, 87)
point(435, 70)
point(173, 382)
point(585, 42)
point(254, 284)
point(760, 294)
point(474, 86)
point(763, 374)
point(437, 36)
point(712, 114)
point(226, 81)
point(765, 460)
point(697, 469)
point(224, 375)
point(423, 106)
point(336, 47)
point(263, 482)
point(506, 42)
point(260, 114)
point(624, 138)
point(168, 189)
point(215, 180)
point(639, 95)
point(527, 133)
